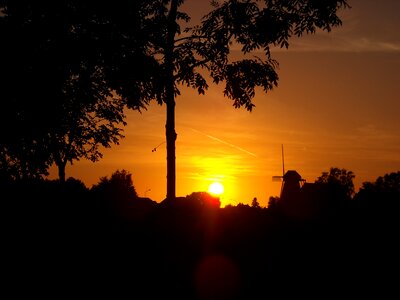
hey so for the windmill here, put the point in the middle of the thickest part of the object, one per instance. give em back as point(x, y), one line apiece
point(280, 178)
point(291, 181)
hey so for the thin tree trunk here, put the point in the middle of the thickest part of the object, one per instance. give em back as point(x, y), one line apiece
point(170, 102)
point(61, 172)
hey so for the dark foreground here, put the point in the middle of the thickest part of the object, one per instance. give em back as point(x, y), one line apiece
point(69, 243)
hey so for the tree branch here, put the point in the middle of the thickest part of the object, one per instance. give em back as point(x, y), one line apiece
point(192, 37)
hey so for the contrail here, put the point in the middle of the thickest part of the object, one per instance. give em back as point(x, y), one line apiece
point(223, 142)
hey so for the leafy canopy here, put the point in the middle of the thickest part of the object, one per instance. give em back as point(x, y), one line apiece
point(62, 68)
point(252, 27)
point(339, 178)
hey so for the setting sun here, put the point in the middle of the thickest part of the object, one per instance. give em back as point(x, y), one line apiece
point(216, 188)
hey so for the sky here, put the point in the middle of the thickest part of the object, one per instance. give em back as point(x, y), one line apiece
point(336, 105)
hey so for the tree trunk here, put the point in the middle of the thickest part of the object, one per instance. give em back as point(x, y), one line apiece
point(61, 172)
point(170, 102)
point(171, 159)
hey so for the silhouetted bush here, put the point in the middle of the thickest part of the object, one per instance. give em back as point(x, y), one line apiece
point(116, 197)
point(380, 199)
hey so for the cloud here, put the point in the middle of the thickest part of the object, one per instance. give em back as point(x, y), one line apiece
point(200, 176)
point(370, 132)
point(323, 43)
point(364, 44)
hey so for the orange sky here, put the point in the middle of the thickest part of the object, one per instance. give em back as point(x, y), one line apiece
point(337, 105)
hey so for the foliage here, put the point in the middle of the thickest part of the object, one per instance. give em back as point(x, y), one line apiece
point(341, 179)
point(252, 26)
point(388, 183)
point(118, 186)
point(273, 202)
point(82, 129)
point(21, 158)
point(254, 203)
point(75, 184)
point(204, 199)
point(385, 191)
point(61, 73)
point(255, 27)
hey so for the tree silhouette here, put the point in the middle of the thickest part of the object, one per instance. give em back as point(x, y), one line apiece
point(60, 88)
point(119, 185)
point(21, 157)
point(254, 203)
point(204, 199)
point(115, 195)
point(273, 202)
point(185, 53)
point(389, 183)
point(83, 128)
point(341, 179)
point(383, 194)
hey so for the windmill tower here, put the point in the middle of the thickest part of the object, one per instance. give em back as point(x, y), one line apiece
point(291, 182)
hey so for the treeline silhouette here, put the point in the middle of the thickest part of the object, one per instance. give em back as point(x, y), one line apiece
point(67, 240)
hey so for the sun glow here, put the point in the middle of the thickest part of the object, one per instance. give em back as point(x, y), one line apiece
point(216, 188)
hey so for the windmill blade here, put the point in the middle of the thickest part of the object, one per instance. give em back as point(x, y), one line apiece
point(277, 178)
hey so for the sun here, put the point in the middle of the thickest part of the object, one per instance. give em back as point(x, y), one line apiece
point(216, 188)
